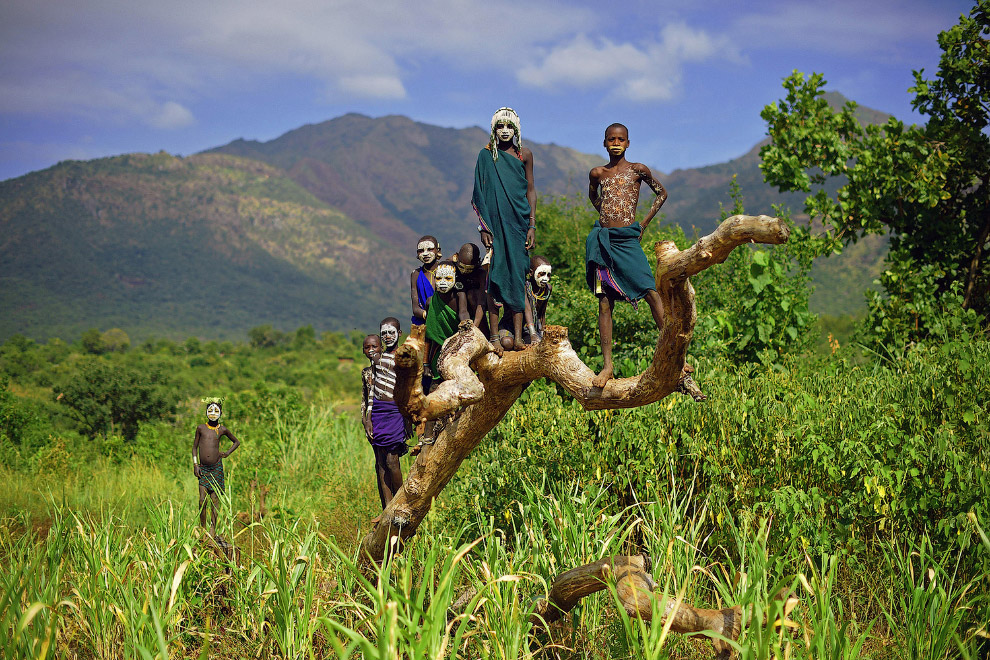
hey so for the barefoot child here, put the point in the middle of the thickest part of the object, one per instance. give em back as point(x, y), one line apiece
point(389, 429)
point(448, 307)
point(208, 462)
point(538, 290)
point(474, 280)
point(372, 348)
point(421, 281)
point(617, 268)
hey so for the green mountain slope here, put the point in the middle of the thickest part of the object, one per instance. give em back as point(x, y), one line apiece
point(400, 177)
point(210, 245)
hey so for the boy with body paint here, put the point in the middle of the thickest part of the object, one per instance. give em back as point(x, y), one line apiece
point(422, 283)
point(208, 462)
point(448, 307)
point(474, 280)
point(372, 349)
point(617, 268)
point(538, 290)
point(389, 429)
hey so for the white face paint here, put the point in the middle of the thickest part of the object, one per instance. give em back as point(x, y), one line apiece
point(389, 334)
point(542, 274)
point(213, 412)
point(504, 133)
point(426, 251)
point(445, 277)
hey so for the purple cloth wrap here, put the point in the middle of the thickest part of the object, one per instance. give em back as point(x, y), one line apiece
point(388, 427)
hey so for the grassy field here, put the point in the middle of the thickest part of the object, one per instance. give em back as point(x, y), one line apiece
point(102, 556)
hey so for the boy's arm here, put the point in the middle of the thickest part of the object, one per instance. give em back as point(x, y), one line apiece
point(528, 314)
point(237, 443)
point(531, 198)
point(462, 307)
point(479, 308)
point(195, 453)
point(657, 187)
point(541, 309)
point(417, 306)
point(596, 199)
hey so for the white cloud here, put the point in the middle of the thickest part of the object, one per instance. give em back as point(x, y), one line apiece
point(650, 72)
point(172, 115)
point(132, 59)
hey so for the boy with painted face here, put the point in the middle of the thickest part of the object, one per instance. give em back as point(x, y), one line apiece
point(505, 200)
point(208, 462)
point(448, 308)
point(538, 290)
point(422, 282)
point(617, 268)
point(372, 349)
point(389, 429)
point(474, 280)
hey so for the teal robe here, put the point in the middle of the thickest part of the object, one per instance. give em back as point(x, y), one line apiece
point(617, 250)
point(501, 203)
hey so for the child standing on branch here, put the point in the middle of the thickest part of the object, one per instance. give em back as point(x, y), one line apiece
point(617, 268)
point(505, 201)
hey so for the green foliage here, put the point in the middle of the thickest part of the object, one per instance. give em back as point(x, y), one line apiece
point(927, 186)
point(105, 397)
point(756, 302)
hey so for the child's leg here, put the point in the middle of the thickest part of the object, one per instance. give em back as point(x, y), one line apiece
point(202, 507)
point(214, 509)
point(381, 476)
point(517, 324)
point(655, 302)
point(605, 330)
point(393, 474)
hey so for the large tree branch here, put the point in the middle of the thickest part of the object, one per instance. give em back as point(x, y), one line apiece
point(481, 387)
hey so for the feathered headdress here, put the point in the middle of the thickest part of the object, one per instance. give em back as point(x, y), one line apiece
point(509, 116)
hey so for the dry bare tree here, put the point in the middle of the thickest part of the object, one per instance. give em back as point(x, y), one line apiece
point(480, 387)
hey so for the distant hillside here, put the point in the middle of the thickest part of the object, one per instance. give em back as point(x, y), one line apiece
point(401, 177)
point(210, 245)
point(315, 227)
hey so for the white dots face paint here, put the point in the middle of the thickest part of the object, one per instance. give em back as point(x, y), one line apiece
point(446, 277)
point(426, 251)
point(213, 412)
point(389, 334)
point(542, 274)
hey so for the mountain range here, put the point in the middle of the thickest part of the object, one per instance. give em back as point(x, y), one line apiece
point(314, 227)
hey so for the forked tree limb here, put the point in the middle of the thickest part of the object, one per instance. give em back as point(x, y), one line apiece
point(481, 387)
point(634, 588)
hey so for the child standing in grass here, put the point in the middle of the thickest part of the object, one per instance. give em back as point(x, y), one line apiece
point(208, 463)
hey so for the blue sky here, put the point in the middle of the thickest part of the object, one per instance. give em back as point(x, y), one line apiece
point(84, 79)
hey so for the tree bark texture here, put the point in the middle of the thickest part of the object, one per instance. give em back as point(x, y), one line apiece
point(480, 387)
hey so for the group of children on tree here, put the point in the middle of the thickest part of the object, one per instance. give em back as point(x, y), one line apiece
point(506, 279)
point(476, 287)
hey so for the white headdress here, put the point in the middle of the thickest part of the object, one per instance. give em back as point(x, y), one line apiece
point(507, 115)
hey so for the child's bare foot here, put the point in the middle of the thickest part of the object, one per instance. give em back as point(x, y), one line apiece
point(496, 345)
point(518, 345)
point(603, 377)
point(416, 449)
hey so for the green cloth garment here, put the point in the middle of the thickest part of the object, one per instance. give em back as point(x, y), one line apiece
point(441, 323)
point(500, 201)
point(615, 256)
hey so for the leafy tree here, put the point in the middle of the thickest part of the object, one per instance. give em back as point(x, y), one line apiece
point(264, 336)
point(105, 398)
point(928, 186)
point(116, 340)
point(92, 342)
